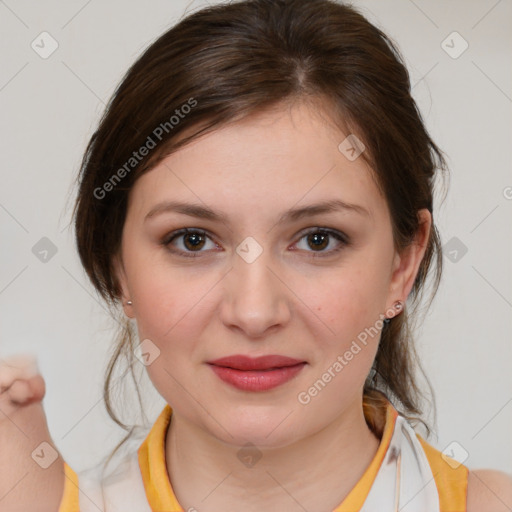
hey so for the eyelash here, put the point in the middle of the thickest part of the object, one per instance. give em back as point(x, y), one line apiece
point(341, 237)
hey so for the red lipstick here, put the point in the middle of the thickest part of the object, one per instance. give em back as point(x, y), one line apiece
point(256, 374)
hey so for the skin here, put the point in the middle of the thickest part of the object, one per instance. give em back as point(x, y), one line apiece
point(285, 302)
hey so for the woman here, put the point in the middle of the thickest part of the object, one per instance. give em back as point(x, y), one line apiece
point(258, 198)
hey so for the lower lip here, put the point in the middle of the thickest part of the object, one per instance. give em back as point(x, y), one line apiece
point(257, 380)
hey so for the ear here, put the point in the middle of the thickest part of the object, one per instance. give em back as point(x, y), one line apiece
point(407, 263)
point(123, 285)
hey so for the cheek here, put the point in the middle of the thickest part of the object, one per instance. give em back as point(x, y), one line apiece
point(162, 311)
point(346, 301)
point(167, 312)
point(163, 297)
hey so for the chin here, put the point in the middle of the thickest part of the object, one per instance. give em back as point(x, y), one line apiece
point(264, 427)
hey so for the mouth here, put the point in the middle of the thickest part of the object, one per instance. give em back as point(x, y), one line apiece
point(256, 374)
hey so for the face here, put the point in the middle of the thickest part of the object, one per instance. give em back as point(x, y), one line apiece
point(250, 278)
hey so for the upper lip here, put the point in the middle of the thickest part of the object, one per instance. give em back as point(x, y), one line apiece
point(241, 362)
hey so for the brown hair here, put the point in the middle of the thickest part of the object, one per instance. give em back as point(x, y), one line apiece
point(223, 63)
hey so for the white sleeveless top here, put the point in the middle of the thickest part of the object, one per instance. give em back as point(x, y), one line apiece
point(403, 483)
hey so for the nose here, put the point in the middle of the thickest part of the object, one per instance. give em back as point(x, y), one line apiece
point(255, 297)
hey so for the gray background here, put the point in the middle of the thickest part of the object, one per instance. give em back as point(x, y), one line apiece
point(51, 106)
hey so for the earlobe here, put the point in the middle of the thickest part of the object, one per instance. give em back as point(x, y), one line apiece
point(406, 264)
point(121, 279)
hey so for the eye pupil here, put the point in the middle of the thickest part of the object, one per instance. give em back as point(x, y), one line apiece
point(196, 238)
point(318, 240)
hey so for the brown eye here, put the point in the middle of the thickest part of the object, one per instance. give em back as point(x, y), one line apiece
point(193, 241)
point(319, 239)
point(185, 242)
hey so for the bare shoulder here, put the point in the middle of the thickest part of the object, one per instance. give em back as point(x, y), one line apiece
point(489, 490)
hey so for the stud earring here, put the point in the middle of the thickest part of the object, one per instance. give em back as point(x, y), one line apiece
point(129, 303)
point(398, 305)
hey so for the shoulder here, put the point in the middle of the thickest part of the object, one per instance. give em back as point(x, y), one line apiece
point(489, 490)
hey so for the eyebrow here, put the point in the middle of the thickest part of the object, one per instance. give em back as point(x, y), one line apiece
point(294, 214)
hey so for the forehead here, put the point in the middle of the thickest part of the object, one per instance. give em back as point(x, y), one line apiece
point(277, 158)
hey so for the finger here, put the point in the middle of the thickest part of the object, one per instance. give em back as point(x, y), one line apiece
point(19, 392)
point(37, 388)
point(24, 392)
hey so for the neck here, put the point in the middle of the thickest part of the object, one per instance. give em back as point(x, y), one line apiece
point(207, 474)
